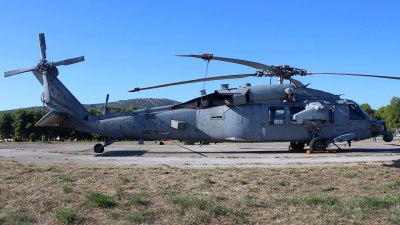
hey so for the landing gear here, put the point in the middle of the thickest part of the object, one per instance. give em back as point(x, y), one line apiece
point(317, 144)
point(297, 145)
point(99, 148)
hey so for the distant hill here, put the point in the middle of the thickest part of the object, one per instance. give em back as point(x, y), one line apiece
point(140, 103)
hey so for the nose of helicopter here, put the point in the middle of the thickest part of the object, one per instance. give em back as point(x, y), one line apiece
point(377, 127)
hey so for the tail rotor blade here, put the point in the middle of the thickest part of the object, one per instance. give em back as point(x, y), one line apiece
point(18, 71)
point(69, 61)
point(46, 91)
point(42, 42)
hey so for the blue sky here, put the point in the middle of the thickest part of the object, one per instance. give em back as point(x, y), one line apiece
point(130, 44)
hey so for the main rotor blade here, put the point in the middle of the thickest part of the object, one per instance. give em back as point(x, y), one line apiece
point(18, 71)
point(69, 61)
point(195, 81)
point(42, 42)
point(237, 61)
point(355, 74)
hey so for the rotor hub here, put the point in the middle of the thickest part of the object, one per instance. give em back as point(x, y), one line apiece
point(284, 71)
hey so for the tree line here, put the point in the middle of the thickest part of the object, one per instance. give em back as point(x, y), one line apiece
point(20, 126)
point(389, 113)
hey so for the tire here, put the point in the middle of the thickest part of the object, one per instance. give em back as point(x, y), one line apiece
point(297, 145)
point(98, 148)
point(387, 138)
point(317, 144)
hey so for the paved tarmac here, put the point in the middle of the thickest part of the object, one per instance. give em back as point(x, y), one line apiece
point(221, 155)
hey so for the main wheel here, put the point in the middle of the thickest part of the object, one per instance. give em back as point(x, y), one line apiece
point(317, 144)
point(98, 148)
point(297, 145)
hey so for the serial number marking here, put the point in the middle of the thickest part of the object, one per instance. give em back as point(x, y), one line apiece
point(150, 117)
point(150, 131)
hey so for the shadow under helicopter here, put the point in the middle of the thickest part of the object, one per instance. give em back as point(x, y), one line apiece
point(244, 151)
point(122, 153)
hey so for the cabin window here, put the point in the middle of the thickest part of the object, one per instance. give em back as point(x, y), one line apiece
point(276, 115)
point(332, 114)
point(355, 112)
point(293, 110)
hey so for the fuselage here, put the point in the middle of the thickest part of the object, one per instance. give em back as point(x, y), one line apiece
point(275, 117)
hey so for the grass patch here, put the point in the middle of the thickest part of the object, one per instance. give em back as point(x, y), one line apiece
point(138, 200)
point(101, 200)
point(66, 189)
point(372, 203)
point(18, 218)
point(321, 200)
point(350, 174)
point(67, 216)
point(189, 202)
point(137, 218)
point(60, 194)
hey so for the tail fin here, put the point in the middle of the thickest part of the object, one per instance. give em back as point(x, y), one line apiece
point(67, 110)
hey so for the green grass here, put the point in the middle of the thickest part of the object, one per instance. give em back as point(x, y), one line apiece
point(67, 216)
point(66, 189)
point(189, 202)
point(64, 194)
point(101, 200)
point(18, 218)
point(138, 200)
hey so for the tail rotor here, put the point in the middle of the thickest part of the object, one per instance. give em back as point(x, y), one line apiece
point(45, 68)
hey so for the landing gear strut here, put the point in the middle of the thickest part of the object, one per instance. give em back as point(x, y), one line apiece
point(99, 148)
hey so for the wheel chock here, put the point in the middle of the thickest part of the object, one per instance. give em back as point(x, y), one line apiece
point(310, 151)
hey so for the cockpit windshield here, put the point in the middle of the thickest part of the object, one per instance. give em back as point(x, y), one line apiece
point(356, 112)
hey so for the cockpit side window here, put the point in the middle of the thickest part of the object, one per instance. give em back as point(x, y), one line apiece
point(276, 115)
point(332, 114)
point(355, 112)
point(293, 110)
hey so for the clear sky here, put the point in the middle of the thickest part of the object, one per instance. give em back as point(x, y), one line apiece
point(130, 44)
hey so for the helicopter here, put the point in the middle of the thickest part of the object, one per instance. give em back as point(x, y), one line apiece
point(290, 112)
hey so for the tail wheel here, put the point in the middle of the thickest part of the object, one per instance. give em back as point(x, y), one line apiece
point(317, 144)
point(98, 148)
point(297, 145)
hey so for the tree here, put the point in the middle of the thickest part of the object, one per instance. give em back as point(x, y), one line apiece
point(392, 114)
point(367, 108)
point(380, 113)
point(132, 108)
point(19, 124)
point(6, 128)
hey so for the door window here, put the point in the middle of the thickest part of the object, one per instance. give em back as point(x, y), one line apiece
point(276, 115)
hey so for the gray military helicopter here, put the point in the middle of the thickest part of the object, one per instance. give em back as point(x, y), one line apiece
point(264, 113)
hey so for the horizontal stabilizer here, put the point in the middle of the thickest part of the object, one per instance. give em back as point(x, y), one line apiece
point(52, 119)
